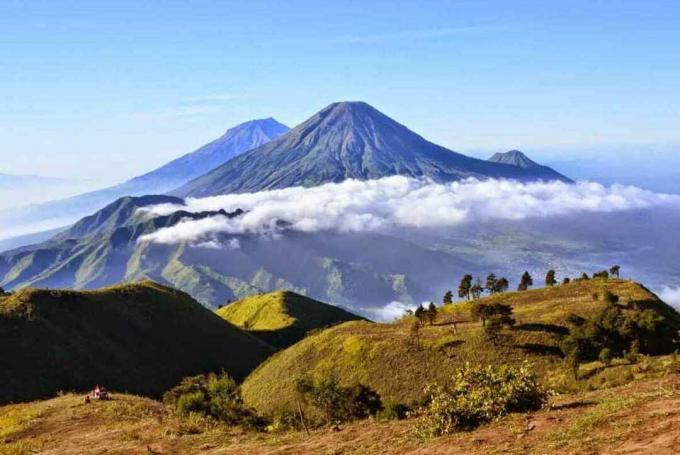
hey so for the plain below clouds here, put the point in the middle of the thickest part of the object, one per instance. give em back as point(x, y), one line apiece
point(397, 202)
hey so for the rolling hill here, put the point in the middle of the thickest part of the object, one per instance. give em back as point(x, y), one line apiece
point(383, 357)
point(59, 213)
point(348, 140)
point(142, 338)
point(516, 158)
point(283, 318)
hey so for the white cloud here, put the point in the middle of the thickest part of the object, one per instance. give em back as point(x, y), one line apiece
point(389, 312)
point(397, 202)
point(671, 296)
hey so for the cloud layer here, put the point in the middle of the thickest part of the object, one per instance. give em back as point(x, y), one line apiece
point(671, 296)
point(397, 202)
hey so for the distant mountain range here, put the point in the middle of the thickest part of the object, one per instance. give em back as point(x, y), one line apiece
point(349, 140)
point(344, 140)
point(60, 213)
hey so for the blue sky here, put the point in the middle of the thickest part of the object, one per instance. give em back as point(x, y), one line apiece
point(112, 89)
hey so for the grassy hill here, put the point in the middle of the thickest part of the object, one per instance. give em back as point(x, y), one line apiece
point(282, 318)
point(142, 338)
point(383, 356)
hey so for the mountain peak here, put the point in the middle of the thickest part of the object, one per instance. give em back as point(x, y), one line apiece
point(348, 140)
point(515, 158)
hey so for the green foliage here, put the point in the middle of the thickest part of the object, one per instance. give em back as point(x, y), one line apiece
point(499, 313)
point(550, 278)
point(448, 298)
point(465, 287)
point(393, 411)
point(525, 282)
point(605, 356)
point(604, 274)
point(431, 313)
point(214, 396)
point(620, 330)
point(338, 403)
point(566, 280)
point(478, 395)
point(615, 270)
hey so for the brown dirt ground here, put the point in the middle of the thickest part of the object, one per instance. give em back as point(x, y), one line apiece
point(642, 417)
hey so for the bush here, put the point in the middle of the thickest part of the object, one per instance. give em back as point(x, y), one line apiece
point(212, 396)
point(393, 411)
point(478, 395)
point(338, 403)
point(605, 356)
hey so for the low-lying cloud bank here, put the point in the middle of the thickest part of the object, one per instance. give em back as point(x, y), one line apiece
point(395, 202)
point(671, 296)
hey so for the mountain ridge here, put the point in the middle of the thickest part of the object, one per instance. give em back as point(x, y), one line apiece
point(347, 140)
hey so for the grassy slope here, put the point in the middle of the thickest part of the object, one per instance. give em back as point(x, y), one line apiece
point(381, 355)
point(141, 338)
point(641, 417)
point(283, 318)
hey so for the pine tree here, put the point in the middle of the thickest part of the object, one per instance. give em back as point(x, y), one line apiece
point(502, 285)
point(615, 270)
point(431, 313)
point(465, 287)
point(525, 282)
point(550, 278)
point(448, 298)
point(492, 283)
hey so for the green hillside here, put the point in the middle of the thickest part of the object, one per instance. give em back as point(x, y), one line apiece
point(142, 338)
point(284, 317)
point(383, 356)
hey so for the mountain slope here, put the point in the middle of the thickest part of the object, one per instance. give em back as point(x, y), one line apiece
point(383, 356)
point(142, 338)
point(56, 214)
point(347, 140)
point(282, 318)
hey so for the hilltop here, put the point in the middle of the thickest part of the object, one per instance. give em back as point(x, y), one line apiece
point(383, 357)
point(348, 140)
point(141, 338)
point(282, 318)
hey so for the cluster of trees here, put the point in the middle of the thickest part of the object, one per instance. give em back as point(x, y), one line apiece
point(619, 331)
point(336, 403)
point(473, 289)
point(428, 314)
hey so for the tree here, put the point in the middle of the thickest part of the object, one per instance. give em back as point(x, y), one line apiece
point(585, 276)
point(492, 283)
point(448, 298)
point(550, 278)
point(502, 285)
point(603, 274)
point(525, 282)
point(431, 313)
point(420, 314)
point(414, 335)
point(465, 287)
point(477, 289)
point(610, 298)
point(566, 280)
point(498, 313)
point(615, 270)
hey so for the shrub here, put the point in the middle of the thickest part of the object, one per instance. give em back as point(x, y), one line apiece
point(338, 403)
point(393, 411)
point(212, 396)
point(478, 395)
point(605, 356)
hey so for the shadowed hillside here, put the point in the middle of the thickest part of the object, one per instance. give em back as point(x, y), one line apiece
point(283, 318)
point(142, 338)
point(387, 358)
